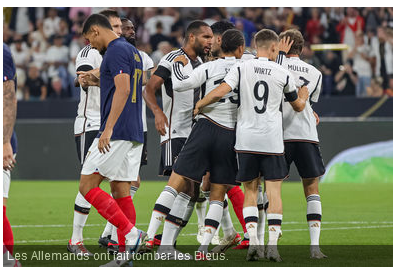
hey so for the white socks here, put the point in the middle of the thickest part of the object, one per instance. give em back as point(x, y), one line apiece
point(261, 215)
point(274, 228)
point(314, 217)
point(174, 219)
point(133, 191)
point(226, 221)
point(81, 211)
point(161, 209)
point(186, 218)
point(201, 211)
point(250, 214)
point(212, 222)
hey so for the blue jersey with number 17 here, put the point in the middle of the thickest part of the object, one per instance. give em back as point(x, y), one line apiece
point(121, 57)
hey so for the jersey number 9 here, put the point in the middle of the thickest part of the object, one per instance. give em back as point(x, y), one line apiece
point(263, 97)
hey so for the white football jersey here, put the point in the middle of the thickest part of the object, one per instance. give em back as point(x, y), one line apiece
point(247, 55)
point(262, 86)
point(88, 112)
point(177, 106)
point(208, 76)
point(147, 65)
point(301, 126)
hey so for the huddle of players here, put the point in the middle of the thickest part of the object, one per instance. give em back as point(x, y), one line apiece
point(250, 99)
point(210, 145)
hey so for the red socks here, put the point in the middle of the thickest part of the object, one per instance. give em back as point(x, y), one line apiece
point(109, 209)
point(128, 208)
point(8, 238)
point(237, 197)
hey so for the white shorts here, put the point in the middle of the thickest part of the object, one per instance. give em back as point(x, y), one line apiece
point(6, 183)
point(122, 163)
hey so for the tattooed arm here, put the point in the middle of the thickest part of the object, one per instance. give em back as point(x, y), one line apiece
point(9, 115)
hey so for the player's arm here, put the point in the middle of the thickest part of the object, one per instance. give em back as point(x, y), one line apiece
point(89, 78)
point(9, 116)
point(121, 94)
point(152, 86)
point(296, 99)
point(214, 96)
point(284, 47)
point(182, 82)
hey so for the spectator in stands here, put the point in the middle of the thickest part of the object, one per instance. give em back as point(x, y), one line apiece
point(166, 19)
point(20, 53)
point(158, 36)
point(389, 90)
point(346, 80)
point(375, 89)
point(51, 23)
point(57, 59)
point(164, 47)
point(310, 56)
point(38, 57)
point(382, 53)
point(313, 27)
point(38, 36)
point(329, 68)
point(329, 19)
point(35, 88)
point(361, 64)
point(23, 20)
point(351, 24)
point(63, 31)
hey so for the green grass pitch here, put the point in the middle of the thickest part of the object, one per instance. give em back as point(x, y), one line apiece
point(357, 228)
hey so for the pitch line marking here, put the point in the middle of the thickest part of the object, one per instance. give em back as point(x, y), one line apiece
point(193, 234)
point(146, 224)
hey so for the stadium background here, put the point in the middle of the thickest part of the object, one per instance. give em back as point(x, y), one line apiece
point(45, 42)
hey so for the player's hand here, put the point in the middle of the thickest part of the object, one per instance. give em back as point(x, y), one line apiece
point(181, 58)
point(104, 141)
point(8, 157)
point(160, 122)
point(285, 44)
point(316, 117)
point(303, 93)
point(88, 78)
point(198, 108)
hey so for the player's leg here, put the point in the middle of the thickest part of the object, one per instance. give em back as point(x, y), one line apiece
point(274, 168)
point(310, 166)
point(81, 206)
point(8, 237)
point(261, 216)
point(200, 207)
point(214, 215)
point(236, 196)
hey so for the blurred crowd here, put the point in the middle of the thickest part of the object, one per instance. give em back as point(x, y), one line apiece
point(46, 41)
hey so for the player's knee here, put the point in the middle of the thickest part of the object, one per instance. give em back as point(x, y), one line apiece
point(311, 186)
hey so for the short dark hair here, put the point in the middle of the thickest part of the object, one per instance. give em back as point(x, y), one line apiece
point(298, 40)
point(194, 27)
point(231, 40)
point(96, 19)
point(264, 37)
point(218, 28)
point(110, 13)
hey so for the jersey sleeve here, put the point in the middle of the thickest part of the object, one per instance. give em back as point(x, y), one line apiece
point(181, 82)
point(314, 97)
point(147, 61)
point(164, 68)
point(9, 70)
point(289, 88)
point(233, 76)
point(119, 61)
point(88, 61)
point(280, 58)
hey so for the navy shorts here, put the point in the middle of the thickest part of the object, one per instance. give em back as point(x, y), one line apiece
point(307, 158)
point(209, 148)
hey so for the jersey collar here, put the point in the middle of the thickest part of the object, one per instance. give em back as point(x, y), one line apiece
point(263, 58)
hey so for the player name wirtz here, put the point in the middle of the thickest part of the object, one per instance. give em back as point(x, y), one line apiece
point(262, 71)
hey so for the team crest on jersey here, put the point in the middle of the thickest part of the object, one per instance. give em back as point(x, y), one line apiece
point(137, 58)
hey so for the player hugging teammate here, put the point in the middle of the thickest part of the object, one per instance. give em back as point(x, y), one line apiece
point(230, 121)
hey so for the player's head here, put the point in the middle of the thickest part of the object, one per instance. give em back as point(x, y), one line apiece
point(233, 42)
point(297, 38)
point(218, 29)
point(94, 29)
point(267, 42)
point(128, 30)
point(199, 37)
point(114, 20)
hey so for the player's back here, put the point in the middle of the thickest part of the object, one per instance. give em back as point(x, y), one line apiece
point(88, 111)
point(301, 125)
point(178, 106)
point(259, 121)
point(224, 111)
